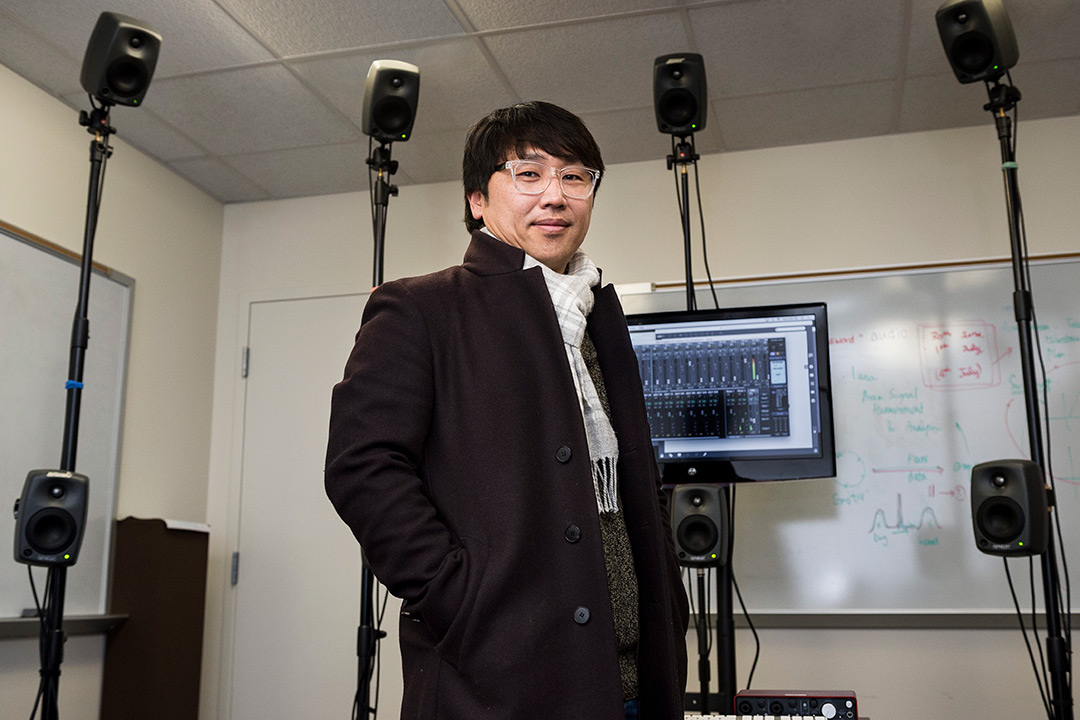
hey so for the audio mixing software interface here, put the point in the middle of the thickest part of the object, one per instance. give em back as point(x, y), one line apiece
point(729, 387)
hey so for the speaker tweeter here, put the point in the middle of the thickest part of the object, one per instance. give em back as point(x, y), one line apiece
point(50, 518)
point(1009, 508)
point(391, 92)
point(699, 525)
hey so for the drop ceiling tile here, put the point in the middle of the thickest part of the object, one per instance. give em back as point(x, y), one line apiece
point(322, 170)
point(1044, 30)
point(806, 116)
point(196, 34)
point(495, 14)
point(632, 135)
point(37, 59)
point(220, 181)
point(221, 91)
point(926, 55)
point(249, 110)
point(766, 46)
point(628, 135)
point(940, 101)
point(457, 83)
point(295, 28)
point(431, 157)
point(599, 65)
point(153, 135)
point(1048, 89)
point(140, 127)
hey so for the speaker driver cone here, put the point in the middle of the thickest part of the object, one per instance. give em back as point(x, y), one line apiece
point(973, 52)
point(1001, 519)
point(50, 530)
point(678, 106)
point(697, 534)
point(127, 77)
point(392, 114)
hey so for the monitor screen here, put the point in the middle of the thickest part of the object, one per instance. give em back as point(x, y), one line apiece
point(737, 394)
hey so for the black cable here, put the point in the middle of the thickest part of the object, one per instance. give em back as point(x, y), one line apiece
point(689, 594)
point(1035, 623)
point(371, 180)
point(710, 581)
point(1016, 115)
point(675, 176)
point(41, 636)
point(731, 528)
point(378, 648)
point(1023, 631)
point(753, 630)
point(701, 217)
point(735, 585)
point(1065, 602)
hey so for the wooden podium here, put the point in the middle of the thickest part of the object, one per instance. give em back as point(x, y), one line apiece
point(154, 659)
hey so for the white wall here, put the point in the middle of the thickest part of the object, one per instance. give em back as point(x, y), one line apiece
point(160, 230)
point(895, 200)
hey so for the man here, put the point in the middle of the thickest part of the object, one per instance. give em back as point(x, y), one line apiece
point(489, 449)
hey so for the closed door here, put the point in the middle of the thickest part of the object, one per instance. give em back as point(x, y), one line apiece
point(297, 595)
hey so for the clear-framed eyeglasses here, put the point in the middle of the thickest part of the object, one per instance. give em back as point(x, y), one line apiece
point(533, 178)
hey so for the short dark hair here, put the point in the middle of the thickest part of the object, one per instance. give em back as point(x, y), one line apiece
point(512, 131)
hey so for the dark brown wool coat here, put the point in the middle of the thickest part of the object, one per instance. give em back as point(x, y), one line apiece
point(458, 457)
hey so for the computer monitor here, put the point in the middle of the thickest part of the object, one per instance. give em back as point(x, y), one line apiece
point(737, 394)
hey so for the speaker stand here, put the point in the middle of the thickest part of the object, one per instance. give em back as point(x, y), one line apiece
point(1003, 98)
point(367, 634)
point(52, 621)
point(683, 154)
point(381, 190)
point(702, 626)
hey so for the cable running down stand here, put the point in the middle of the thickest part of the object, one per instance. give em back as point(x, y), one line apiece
point(1003, 98)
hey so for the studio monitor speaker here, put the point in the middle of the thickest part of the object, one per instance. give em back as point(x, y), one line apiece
point(50, 518)
point(978, 38)
point(699, 525)
point(680, 95)
point(120, 60)
point(1009, 508)
point(390, 95)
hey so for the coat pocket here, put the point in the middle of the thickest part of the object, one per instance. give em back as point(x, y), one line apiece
point(457, 613)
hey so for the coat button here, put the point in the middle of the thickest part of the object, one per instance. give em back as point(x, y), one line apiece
point(581, 615)
point(563, 454)
point(572, 533)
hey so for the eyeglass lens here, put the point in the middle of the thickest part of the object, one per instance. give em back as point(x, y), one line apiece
point(533, 178)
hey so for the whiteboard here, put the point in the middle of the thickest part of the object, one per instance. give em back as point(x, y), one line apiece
point(926, 383)
point(38, 295)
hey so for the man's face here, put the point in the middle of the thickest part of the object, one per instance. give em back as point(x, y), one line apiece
point(549, 226)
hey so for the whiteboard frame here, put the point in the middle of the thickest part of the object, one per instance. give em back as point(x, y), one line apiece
point(100, 621)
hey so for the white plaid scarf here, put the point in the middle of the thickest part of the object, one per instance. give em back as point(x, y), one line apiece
point(572, 296)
